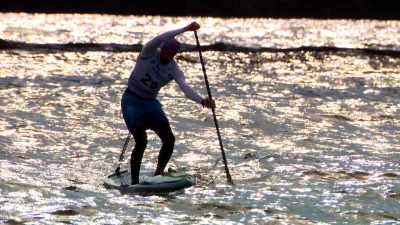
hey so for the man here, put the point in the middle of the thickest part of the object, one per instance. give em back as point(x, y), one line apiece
point(141, 110)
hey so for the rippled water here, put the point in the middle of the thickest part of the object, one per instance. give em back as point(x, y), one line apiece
point(310, 137)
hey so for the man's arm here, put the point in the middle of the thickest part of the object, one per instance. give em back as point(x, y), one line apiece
point(189, 91)
point(150, 47)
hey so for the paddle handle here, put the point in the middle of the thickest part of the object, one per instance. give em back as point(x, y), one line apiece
point(228, 175)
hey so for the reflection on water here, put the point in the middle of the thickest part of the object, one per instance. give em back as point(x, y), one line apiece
point(310, 137)
point(66, 28)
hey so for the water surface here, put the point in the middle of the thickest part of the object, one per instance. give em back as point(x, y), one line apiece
point(310, 137)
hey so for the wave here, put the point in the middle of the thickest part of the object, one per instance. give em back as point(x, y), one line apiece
point(86, 47)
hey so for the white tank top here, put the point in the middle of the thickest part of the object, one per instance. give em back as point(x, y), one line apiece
point(150, 75)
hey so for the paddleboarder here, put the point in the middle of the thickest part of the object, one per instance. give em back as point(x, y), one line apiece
point(155, 67)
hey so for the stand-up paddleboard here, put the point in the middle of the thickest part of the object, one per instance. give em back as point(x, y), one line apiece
point(148, 183)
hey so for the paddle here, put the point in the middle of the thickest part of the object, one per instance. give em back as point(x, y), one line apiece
point(228, 175)
point(121, 157)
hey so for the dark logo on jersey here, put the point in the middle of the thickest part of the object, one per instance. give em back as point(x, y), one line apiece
point(148, 82)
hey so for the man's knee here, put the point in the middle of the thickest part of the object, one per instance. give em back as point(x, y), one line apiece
point(140, 137)
point(169, 140)
point(141, 142)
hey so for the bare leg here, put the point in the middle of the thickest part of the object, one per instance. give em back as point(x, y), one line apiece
point(140, 137)
point(163, 130)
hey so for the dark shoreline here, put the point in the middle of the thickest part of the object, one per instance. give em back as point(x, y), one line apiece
point(222, 47)
point(317, 9)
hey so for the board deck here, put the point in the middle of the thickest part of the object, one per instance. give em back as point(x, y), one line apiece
point(148, 183)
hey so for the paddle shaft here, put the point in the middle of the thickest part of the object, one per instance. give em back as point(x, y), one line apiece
point(121, 157)
point(228, 175)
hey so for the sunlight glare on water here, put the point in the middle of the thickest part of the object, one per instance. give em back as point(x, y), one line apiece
point(310, 137)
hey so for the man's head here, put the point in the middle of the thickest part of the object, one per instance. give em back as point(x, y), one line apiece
point(169, 50)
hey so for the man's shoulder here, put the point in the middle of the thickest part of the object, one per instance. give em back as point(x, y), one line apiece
point(174, 64)
point(146, 55)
